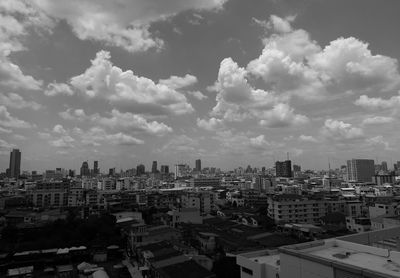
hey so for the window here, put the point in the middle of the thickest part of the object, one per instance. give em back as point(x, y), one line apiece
point(247, 271)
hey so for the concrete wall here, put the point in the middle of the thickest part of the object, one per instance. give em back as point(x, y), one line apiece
point(297, 267)
point(373, 236)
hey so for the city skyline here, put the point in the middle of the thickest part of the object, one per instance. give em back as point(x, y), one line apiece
point(223, 81)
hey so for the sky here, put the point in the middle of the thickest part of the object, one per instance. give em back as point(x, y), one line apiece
point(231, 82)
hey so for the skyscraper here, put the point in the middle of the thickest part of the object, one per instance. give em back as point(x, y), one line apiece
point(283, 168)
point(164, 169)
point(140, 170)
point(154, 167)
point(95, 167)
point(85, 171)
point(198, 165)
point(15, 163)
point(360, 170)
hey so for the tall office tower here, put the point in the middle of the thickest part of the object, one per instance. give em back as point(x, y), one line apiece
point(15, 163)
point(180, 170)
point(360, 170)
point(111, 172)
point(85, 171)
point(283, 169)
point(198, 165)
point(164, 169)
point(154, 167)
point(95, 167)
point(296, 168)
point(140, 170)
point(384, 166)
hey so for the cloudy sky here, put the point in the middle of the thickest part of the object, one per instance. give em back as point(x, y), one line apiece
point(232, 82)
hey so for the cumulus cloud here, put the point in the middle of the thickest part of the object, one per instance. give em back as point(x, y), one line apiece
point(177, 82)
point(241, 143)
point(124, 23)
point(55, 88)
point(308, 138)
point(13, 100)
point(11, 76)
point(8, 121)
point(378, 103)
point(16, 19)
point(182, 143)
point(131, 122)
point(377, 120)
point(210, 124)
point(292, 63)
point(238, 100)
point(97, 135)
point(125, 89)
point(282, 115)
point(197, 94)
point(378, 141)
point(341, 131)
point(73, 114)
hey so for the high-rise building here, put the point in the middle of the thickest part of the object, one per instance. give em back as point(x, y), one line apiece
point(384, 166)
point(296, 168)
point(360, 170)
point(15, 163)
point(180, 171)
point(198, 165)
point(154, 167)
point(96, 167)
point(140, 170)
point(111, 172)
point(283, 169)
point(85, 171)
point(164, 169)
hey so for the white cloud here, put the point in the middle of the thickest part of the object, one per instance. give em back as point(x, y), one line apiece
point(177, 82)
point(5, 145)
point(125, 89)
point(181, 143)
point(378, 141)
point(73, 114)
point(124, 23)
point(59, 129)
point(211, 124)
point(197, 94)
point(292, 63)
point(13, 100)
point(341, 131)
point(282, 115)
point(131, 122)
point(378, 103)
point(241, 143)
point(377, 120)
point(8, 121)
point(96, 135)
point(55, 88)
point(64, 142)
point(308, 138)
point(16, 17)
point(11, 76)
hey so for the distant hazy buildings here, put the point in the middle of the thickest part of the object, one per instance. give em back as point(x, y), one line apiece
point(85, 171)
point(140, 170)
point(96, 170)
point(164, 169)
point(360, 170)
point(283, 168)
point(15, 163)
point(198, 165)
point(154, 167)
